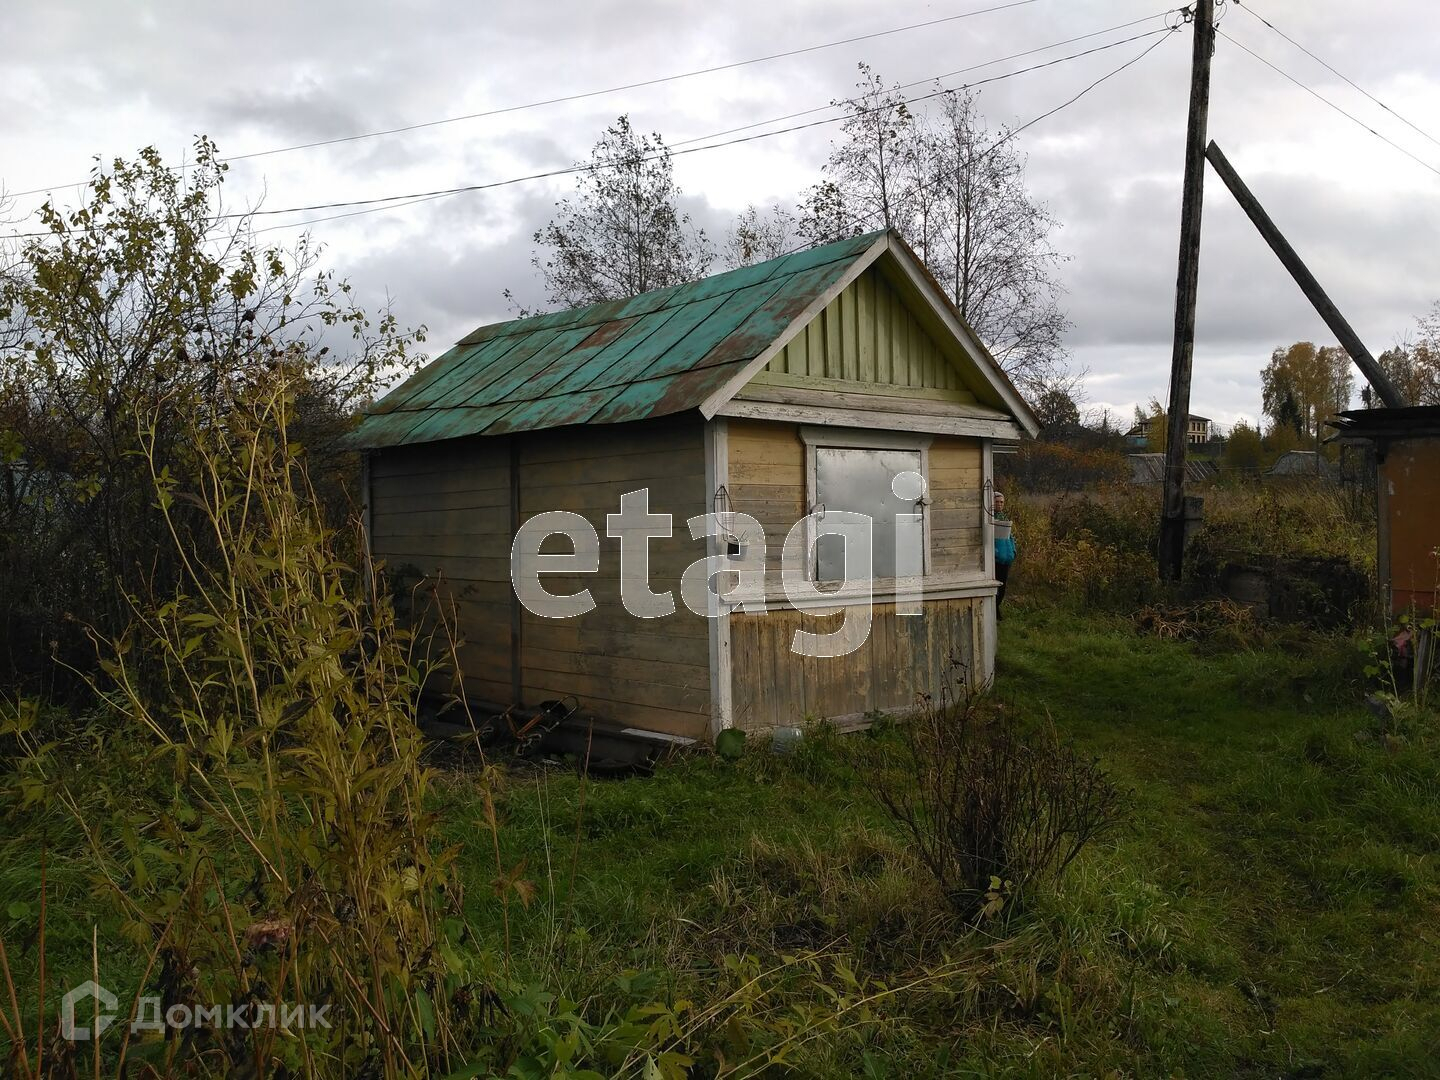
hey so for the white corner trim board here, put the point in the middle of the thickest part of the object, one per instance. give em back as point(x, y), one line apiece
point(973, 427)
point(883, 591)
point(717, 475)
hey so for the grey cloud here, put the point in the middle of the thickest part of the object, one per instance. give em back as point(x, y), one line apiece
point(454, 287)
point(90, 77)
point(312, 111)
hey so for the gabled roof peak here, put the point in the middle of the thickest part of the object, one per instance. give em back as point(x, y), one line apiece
point(666, 351)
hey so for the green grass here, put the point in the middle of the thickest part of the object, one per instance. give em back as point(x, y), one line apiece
point(1299, 861)
point(1268, 908)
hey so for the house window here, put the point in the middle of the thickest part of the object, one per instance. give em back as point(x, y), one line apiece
point(878, 476)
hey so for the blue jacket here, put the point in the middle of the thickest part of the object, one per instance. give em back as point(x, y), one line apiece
point(1005, 550)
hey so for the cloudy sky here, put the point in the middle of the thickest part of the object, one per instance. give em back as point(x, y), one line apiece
point(89, 78)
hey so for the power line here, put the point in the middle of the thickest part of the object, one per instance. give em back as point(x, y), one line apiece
point(356, 213)
point(388, 201)
point(902, 86)
point(861, 222)
point(936, 78)
point(569, 170)
point(1064, 105)
point(426, 196)
point(1322, 98)
point(580, 96)
point(1338, 74)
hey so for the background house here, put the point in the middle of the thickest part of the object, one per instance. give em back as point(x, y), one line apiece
point(810, 382)
point(1197, 431)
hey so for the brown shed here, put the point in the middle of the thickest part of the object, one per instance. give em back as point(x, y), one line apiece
point(780, 398)
point(1406, 443)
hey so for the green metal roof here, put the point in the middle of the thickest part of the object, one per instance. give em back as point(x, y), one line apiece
point(650, 355)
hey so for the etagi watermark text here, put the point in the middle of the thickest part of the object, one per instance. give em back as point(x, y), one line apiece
point(734, 578)
point(88, 1011)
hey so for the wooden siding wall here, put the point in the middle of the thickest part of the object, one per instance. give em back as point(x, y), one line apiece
point(867, 335)
point(768, 482)
point(956, 477)
point(653, 673)
point(905, 655)
point(440, 516)
point(446, 508)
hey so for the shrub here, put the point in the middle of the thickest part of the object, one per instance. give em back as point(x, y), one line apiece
point(1124, 519)
point(1099, 549)
point(1299, 521)
point(148, 300)
point(1050, 466)
point(991, 809)
point(276, 849)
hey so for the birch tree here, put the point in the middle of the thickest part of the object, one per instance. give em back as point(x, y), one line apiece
point(1303, 386)
point(1413, 364)
point(956, 191)
point(622, 232)
point(988, 242)
point(877, 165)
point(760, 235)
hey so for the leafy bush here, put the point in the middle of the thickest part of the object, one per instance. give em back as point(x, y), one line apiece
point(1406, 672)
point(1124, 519)
point(1051, 466)
point(274, 847)
point(1099, 549)
point(1293, 521)
point(147, 301)
point(991, 809)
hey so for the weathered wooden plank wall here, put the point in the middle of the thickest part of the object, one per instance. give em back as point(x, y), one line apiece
point(440, 519)
point(956, 480)
point(654, 673)
point(904, 656)
point(442, 511)
point(768, 482)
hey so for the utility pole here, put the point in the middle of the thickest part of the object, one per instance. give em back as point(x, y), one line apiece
point(1374, 374)
point(1172, 516)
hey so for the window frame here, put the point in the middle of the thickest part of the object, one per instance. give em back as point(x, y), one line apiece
point(816, 438)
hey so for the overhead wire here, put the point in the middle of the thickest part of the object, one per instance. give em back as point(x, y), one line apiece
point(409, 198)
point(1323, 99)
point(984, 153)
point(582, 95)
point(868, 218)
point(1246, 7)
point(936, 78)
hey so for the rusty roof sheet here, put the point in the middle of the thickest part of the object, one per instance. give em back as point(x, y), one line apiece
point(650, 355)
